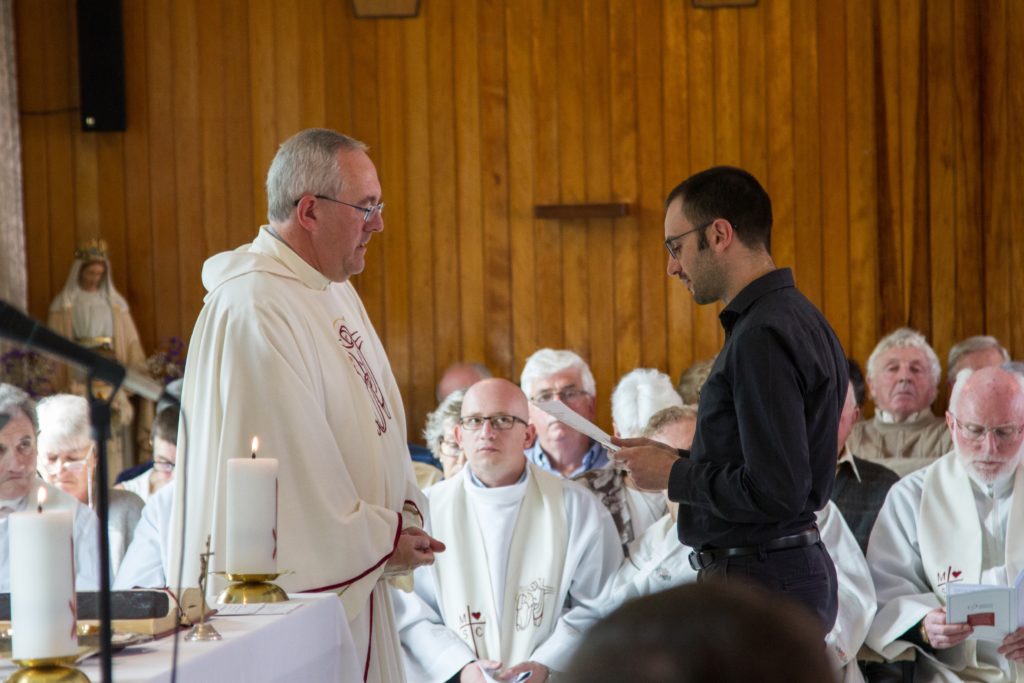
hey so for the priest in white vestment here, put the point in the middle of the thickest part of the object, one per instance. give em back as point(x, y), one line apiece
point(284, 350)
point(20, 488)
point(958, 520)
point(528, 555)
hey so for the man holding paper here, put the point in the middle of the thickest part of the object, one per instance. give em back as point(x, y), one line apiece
point(528, 555)
point(958, 520)
point(763, 458)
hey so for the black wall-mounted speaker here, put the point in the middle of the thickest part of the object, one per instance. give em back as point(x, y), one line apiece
point(101, 65)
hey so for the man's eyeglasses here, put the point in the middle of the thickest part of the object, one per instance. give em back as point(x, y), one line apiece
point(976, 432)
point(62, 462)
point(449, 448)
point(499, 422)
point(163, 466)
point(566, 395)
point(368, 211)
point(670, 243)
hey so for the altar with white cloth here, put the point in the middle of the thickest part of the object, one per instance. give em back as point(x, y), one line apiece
point(310, 643)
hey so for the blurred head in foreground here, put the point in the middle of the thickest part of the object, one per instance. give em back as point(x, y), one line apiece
point(704, 632)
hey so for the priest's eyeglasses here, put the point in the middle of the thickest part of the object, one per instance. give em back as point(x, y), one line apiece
point(976, 432)
point(368, 211)
point(499, 422)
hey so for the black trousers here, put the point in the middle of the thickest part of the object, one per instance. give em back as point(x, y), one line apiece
point(806, 575)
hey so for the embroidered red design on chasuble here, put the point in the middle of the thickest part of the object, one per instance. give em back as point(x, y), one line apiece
point(353, 343)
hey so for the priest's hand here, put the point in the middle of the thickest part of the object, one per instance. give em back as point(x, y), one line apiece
point(648, 462)
point(415, 549)
point(941, 635)
point(536, 673)
point(1013, 646)
point(471, 672)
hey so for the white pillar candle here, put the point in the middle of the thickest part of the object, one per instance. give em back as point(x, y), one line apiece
point(43, 607)
point(251, 516)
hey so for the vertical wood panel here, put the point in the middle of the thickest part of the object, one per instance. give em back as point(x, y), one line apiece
point(650, 188)
point(835, 278)
point(889, 135)
point(497, 320)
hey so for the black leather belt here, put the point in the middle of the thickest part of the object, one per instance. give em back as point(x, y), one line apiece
point(705, 558)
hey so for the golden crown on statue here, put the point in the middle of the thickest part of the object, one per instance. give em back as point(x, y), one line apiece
point(92, 250)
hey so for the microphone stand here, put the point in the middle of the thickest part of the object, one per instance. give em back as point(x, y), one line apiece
point(99, 415)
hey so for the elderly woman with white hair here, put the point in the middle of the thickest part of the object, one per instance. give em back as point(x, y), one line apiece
point(67, 457)
point(639, 395)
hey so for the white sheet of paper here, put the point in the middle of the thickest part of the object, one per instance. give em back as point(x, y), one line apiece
point(567, 415)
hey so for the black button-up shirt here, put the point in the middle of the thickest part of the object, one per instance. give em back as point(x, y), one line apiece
point(764, 456)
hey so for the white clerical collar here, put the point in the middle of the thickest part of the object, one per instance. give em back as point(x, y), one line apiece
point(270, 243)
point(496, 494)
point(888, 418)
point(847, 457)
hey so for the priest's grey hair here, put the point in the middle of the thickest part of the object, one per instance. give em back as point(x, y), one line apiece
point(13, 399)
point(902, 338)
point(306, 163)
point(547, 362)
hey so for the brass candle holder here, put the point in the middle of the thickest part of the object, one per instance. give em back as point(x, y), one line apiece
point(48, 670)
point(251, 589)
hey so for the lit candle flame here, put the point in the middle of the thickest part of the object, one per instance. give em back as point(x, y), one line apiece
point(255, 445)
point(41, 498)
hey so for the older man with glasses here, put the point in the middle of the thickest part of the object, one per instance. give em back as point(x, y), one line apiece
point(958, 521)
point(528, 555)
point(20, 489)
point(558, 374)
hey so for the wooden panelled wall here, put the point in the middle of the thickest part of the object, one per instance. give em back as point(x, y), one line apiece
point(890, 134)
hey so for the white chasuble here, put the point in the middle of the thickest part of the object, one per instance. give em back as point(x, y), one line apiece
point(281, 353)
point(939, 527)
point(507, 588)
point(503, 623)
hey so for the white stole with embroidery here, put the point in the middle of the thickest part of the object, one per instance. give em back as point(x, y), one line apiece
point(947, 516)
point(536, 559)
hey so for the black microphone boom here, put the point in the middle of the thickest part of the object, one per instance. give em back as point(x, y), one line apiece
point(22, 329)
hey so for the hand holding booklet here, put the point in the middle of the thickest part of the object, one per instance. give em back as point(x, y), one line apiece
point(993, 611)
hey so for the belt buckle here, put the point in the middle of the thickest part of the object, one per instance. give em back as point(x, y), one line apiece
point(695, 561)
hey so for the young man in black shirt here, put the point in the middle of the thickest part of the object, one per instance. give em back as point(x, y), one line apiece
point(764, 456)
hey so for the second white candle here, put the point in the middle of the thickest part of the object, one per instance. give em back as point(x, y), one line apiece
point(251, 516)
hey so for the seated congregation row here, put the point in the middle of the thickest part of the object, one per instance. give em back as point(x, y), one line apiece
point(545, 536)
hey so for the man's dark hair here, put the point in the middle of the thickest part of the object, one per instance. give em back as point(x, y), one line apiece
point(730, 193)
point(857, 380)
point(165, 425)
point(726, 633)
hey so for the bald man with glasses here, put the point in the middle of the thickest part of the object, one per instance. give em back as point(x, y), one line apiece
point(527, 556)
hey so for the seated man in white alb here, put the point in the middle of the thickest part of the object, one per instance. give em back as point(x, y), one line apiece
point(639, 395)
point(958, 520)
point(19, 489)
point(903, 378)
point(658, 560)
point(528, 554)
